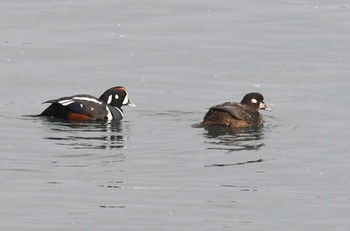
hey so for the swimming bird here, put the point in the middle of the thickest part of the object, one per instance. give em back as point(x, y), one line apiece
point(236, 115)
point(86, 107)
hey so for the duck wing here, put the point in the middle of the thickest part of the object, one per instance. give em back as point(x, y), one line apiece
point(82, 104)
point(238, 111)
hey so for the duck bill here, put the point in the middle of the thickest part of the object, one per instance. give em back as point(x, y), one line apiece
point(131, 104)
point(266, 108)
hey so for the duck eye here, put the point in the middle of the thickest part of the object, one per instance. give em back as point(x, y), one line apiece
point(254, 101)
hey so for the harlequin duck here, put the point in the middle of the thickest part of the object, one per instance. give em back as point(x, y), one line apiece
point(236, 115)
point(87, 107)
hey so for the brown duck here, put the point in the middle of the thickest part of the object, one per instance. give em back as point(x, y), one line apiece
point(236, 115)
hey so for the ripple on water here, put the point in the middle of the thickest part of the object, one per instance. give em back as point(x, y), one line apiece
point(221, 138)
point(86, 135)
point(250, 139)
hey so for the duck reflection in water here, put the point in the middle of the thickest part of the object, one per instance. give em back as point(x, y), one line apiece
point(240, 139)
point(87, 135)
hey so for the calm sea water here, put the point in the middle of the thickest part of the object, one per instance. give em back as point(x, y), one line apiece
point(152, 171)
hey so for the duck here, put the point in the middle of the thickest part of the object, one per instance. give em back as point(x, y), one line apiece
point(236, 115)
point(84, 107)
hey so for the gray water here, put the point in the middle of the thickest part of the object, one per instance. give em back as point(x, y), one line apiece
point(152, 171)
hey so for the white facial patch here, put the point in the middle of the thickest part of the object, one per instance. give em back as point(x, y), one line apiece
point(126, 100)
point(262, 105)
point(109, 100)
point(81, 105)
point(116, 96)
point(254, 101)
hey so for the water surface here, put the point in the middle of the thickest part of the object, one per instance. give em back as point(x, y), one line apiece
point(152, 171)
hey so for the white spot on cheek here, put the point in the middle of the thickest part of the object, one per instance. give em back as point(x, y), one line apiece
point(126, 100)
point(116, 96)
point(81, 105)
point(109, 100)
point(254, 101)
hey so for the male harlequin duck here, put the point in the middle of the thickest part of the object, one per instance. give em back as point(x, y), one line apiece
point(236, 115)
point(87, 107)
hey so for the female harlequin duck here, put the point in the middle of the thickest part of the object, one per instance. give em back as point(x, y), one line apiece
point(86, 107)
point(236, 115)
